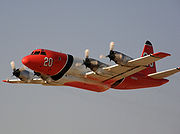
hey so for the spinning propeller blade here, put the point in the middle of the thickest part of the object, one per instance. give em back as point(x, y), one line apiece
point(86, 53)
point(111, 46)
point(12, 63)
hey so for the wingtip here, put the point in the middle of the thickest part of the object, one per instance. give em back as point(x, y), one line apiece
point(178, 68)
point(4, 80)
point(148, 43)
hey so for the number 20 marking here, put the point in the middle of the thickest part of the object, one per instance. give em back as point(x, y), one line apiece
point(48, 62)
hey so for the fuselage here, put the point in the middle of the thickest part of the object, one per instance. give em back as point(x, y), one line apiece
point(63, 69)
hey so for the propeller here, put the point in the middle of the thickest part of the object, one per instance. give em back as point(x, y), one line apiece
point(102, 56)
point(22, 68)
point(86, 53)
point(111, 52)
point(22, 73)
point(89, 62)
point(16, 72)
point(78, 64)
point(86, 62)
point(12, 63)
point(111, 45)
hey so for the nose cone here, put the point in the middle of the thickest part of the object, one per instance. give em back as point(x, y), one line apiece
point(34, 62)
point(25, 61)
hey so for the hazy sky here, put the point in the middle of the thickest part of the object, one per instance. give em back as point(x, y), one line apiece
point(71, 26)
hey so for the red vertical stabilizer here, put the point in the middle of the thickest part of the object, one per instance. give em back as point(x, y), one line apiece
point(148, 49)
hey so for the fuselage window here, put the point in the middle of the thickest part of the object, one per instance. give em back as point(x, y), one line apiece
point(43, 53)
point(59, 58)
point(36, 53)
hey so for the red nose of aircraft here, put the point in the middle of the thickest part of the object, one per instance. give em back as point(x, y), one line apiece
point(33, 62)
point(26, 61)
point(40, 63)
point(46, 61)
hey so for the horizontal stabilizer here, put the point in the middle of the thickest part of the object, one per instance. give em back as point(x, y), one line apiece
point(163, 74)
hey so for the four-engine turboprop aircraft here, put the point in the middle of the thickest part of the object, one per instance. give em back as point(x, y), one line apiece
point(52, 68)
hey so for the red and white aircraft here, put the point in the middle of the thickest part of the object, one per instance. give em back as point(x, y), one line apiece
point(58, 69)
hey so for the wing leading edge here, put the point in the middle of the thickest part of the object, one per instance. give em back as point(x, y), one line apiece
point(33, 81)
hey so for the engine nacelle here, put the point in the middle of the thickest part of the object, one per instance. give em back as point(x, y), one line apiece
point(93, 64)
point(26, 75)
point(119, 58)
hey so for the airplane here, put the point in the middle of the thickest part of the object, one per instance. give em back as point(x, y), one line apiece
point(52, 68)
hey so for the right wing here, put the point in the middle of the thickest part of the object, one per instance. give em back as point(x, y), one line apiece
point(117, 72)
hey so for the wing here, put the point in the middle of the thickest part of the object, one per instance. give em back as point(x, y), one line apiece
point(117, 72)
point(33, 81)
point(163, 74)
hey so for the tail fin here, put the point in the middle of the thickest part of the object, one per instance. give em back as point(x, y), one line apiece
point(148, 49)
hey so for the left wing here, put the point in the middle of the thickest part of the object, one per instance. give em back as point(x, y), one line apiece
point(117, 72)
point(164, 74)
point(33, 81)
point(147, 59)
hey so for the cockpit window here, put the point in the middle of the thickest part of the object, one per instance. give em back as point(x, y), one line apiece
point(36, 53)
point(43, 53)
point(32, 53)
